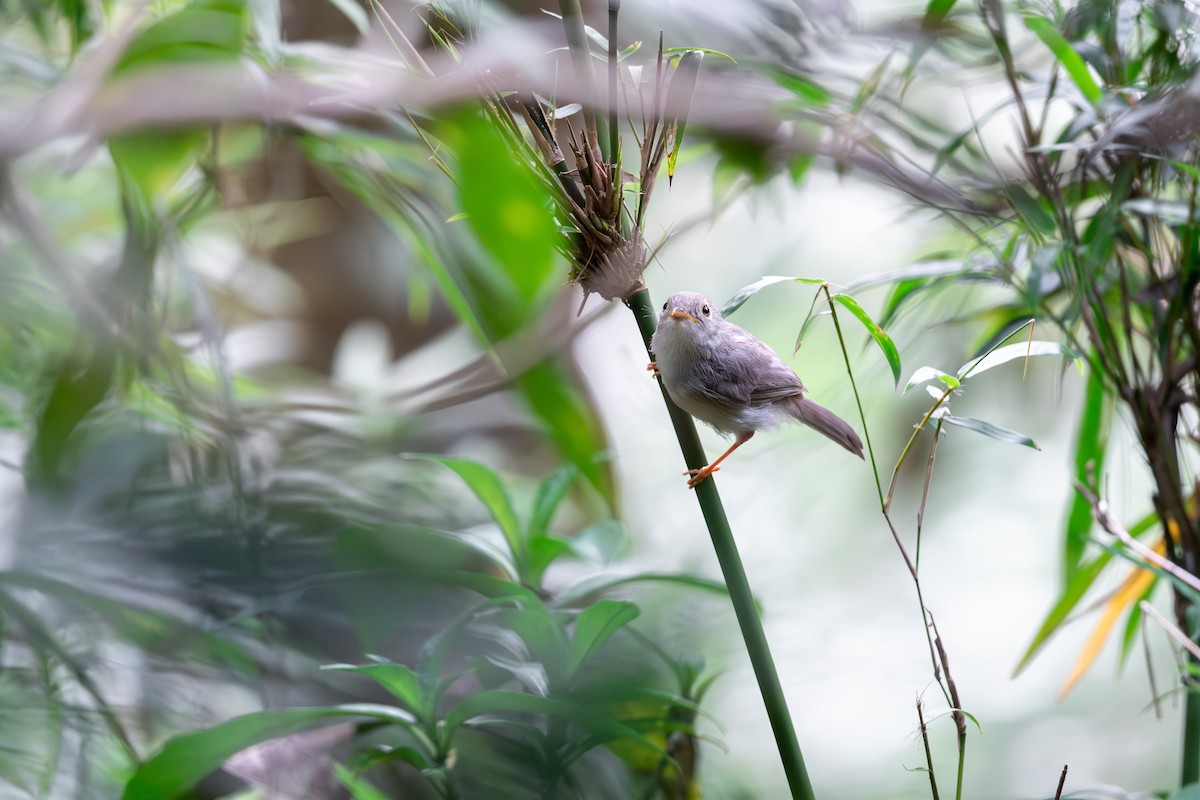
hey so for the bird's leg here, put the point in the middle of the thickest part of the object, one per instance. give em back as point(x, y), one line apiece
point(652, 368)
point(698, 475)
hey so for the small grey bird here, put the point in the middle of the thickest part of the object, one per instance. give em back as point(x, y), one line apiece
point(727, 377)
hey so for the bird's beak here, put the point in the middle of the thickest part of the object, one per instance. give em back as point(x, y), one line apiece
point(681, 314)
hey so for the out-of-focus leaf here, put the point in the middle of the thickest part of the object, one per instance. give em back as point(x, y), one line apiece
point(509, 212)
point(187, 758)
point(152, 630)
point(928, 374)
point(989, 429)
point(571, 423)
point(353, 12)
point(670, 51)
point(358, 787)
point(1172, 212)
point(398, 679)
point(1010, 352)
point(1091, 444)
point(806, 91)
point(746, 292)
point(938, 268)
point(1031, 210)
point(203, 30)
point(679, 103)
point(544, 550)
point(601, 541)
point(1129, 592)
point(1080, 581)
point(1133, 624)
point(486, 485)
point(491, 705)
point(877, 333)
point(382, 755)
point(1070, 59)
point(936, 12)
point(601, 584)
point(155, 162)
point(549, 496)
point(596, 624)
point(79, 385)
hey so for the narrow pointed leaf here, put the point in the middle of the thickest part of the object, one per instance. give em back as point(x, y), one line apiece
point(1010, 352)
point(928, 374)
point(877, 333)
point(549, 496)
point(184, 760)
point(358, 787)
point(994, 431)
point(1067, 56)
point(398, 679)
point(679, 103)
point(1133, 588)
point(1031, 210)
point(487, 487)
point(746, 292)
point(1091, 444)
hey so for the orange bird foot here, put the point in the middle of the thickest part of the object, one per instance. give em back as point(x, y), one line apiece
point(652, 368)
point(698, 475)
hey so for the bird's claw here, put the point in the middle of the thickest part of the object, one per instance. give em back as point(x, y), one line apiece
point(698, 475)
point(652, 368)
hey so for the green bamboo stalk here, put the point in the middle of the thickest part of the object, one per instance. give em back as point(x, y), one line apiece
point(735, 576)
point(1189, 773)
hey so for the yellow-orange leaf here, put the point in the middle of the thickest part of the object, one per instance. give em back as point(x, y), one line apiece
point(1125, 596)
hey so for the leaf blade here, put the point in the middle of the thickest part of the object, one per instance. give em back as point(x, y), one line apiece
point(886, 345)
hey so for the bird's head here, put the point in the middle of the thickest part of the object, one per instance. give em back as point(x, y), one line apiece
point(688, 309)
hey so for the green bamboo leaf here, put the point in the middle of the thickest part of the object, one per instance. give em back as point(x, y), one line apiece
point(187, 758)
point(486, 485)
point(928, 374)
point(806, 91)
point(1010, 352)
point(679, 103)
point(877, 333)
point(1030, 209)
point(746, 292)
point(1091, 444)
point(1070, 59)
point(596, 624)
point(988, 429)
point(1080, 581)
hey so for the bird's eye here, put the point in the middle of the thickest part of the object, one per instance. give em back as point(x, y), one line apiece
point(704, 310)
point(664, 306)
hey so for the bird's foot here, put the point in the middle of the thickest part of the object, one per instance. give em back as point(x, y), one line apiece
point(698, 475)
point(652, 368)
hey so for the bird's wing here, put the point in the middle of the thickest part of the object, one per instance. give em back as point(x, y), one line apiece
point(749, 373)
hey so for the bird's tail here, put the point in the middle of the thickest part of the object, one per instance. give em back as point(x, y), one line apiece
point(828, 423)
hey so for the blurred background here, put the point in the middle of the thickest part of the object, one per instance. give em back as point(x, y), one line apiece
point(246, 282)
